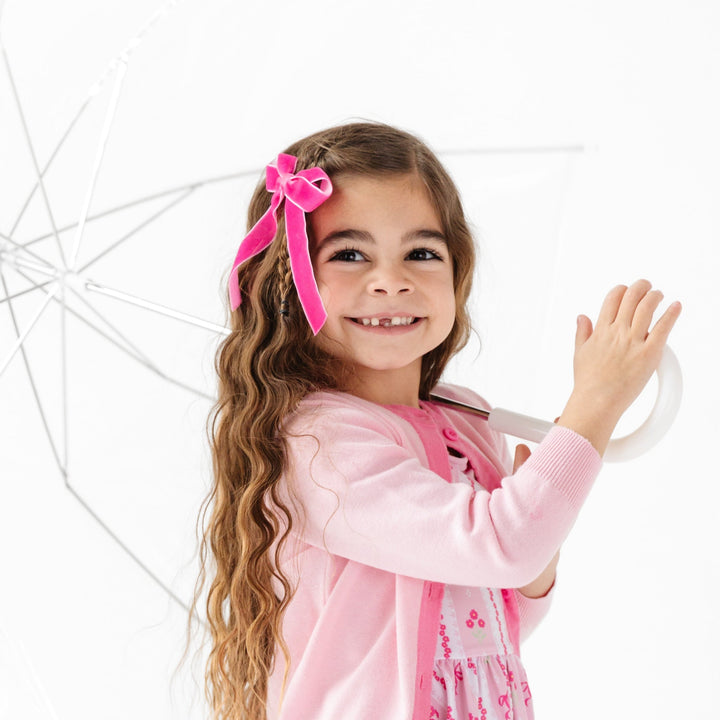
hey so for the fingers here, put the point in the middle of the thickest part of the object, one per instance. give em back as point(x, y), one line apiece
point(584, 330)
point(630, 301)
point(659, 334)
point(611, 304)
point(522, 453)
point(633, 307)
point(640, 322)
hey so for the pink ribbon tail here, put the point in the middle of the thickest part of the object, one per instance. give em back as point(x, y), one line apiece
point(298, 248)
point(259, 238)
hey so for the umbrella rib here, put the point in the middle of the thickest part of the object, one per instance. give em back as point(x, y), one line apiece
point(142, 359)
point(148, 198)
point(32, 153)
point(21, 338)
point(515, 150)
point(94, 90)
point(34, 677)
point(104, 137)
point(137, 355)
point(155, 307)
point(140, 356)
point(15, 264)
point(120, 62)
point(63, 371)
point(30, 196)
point(23, 249)
point(135, 230)
point(74, 492)
point(117, 539)
point(32, 379)
point(35, 287)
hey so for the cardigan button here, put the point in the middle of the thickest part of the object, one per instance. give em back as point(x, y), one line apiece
point(450, 434)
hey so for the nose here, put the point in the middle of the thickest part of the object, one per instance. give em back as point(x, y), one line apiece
point(389, 280)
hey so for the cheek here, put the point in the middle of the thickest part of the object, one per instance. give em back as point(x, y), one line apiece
point(335, 288)
point(329, 294)
point(447, 292)
point(452, 310)
point(323, 282)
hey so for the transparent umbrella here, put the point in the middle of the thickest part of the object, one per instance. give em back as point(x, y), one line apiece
point(118, 221)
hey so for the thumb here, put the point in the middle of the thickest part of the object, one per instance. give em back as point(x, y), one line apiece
point(584, 330)
point(522, 453)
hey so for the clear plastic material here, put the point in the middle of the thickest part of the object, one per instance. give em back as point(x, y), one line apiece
point(667, 404)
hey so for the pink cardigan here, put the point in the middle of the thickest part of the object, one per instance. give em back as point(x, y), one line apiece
point(384, 530)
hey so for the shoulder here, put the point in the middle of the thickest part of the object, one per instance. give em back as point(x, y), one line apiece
point(336, 431)
point(332, 411)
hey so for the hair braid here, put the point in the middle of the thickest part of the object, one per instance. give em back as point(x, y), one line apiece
point(285, 281)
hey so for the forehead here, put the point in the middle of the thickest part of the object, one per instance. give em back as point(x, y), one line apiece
point(366, 202)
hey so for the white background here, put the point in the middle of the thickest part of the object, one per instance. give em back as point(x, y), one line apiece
point(629, 89)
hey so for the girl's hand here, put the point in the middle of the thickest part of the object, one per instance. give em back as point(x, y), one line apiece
point(614, 362)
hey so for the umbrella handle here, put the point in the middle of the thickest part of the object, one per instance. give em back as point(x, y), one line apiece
point(667, 404)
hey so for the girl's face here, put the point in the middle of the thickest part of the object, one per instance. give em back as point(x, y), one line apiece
point(385, 276)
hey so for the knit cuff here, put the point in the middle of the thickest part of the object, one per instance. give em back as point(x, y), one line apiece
point(568, 461)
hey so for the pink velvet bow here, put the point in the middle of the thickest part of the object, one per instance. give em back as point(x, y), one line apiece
point(302, 195)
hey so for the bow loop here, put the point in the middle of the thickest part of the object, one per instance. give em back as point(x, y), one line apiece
point(305, 191)
point(301, 189)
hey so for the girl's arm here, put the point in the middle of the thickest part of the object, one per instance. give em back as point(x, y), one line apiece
point(612, 365)
point(542, 584)
point(365, 495)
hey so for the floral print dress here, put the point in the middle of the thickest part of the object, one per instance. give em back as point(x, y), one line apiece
point(477, 673)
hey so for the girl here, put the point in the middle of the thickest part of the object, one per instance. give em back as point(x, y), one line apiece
point(377, 555)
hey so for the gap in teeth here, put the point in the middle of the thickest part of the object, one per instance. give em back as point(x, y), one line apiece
point(386, 322)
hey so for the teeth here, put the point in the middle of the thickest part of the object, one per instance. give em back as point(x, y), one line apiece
point(386, 322)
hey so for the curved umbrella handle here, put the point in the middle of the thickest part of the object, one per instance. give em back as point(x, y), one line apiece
point(667, 404)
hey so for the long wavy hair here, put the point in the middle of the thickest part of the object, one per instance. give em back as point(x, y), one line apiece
point(267, 364)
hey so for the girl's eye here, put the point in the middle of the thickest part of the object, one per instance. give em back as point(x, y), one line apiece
point(348, 255)
point(423, 254)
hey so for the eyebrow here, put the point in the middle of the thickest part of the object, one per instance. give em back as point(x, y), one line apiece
point(364, 236)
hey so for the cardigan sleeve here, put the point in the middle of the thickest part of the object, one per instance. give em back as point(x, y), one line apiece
point(366, 496)
point(530, 610)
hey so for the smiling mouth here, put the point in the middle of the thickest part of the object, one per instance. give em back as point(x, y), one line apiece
point(386, 321)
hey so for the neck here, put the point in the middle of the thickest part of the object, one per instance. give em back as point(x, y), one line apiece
point(387, 387)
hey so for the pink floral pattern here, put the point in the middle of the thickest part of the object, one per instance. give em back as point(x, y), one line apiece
point(478, 674)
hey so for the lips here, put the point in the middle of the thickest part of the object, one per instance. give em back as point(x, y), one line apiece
point(388, 321)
